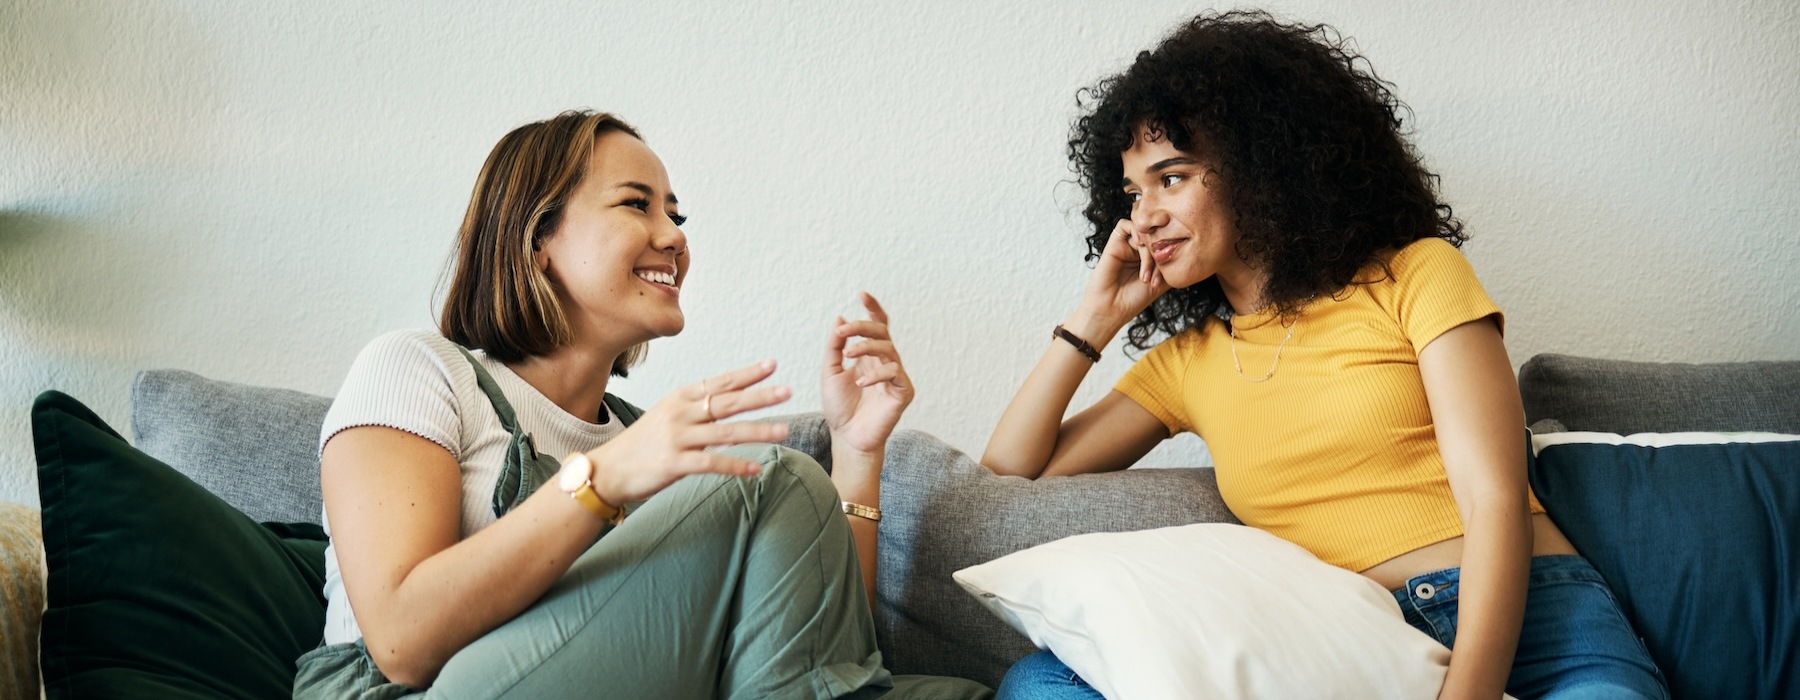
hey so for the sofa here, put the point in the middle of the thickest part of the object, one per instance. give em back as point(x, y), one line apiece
point(239, 455)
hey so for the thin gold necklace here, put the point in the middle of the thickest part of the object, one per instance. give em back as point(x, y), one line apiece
point(1231, 328)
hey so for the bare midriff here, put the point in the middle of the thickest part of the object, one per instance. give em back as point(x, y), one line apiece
point(1392, 574)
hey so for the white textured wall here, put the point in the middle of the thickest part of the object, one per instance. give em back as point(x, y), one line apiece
point(252, 190)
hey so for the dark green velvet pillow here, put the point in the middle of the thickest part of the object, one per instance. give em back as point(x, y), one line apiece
point(157, 587)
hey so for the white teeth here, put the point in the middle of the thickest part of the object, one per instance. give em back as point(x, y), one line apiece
point(657, 277)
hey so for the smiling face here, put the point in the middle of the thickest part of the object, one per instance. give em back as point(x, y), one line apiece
point(1180, 211)
point(618, 257)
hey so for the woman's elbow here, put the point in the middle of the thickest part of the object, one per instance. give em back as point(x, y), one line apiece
point(1002, 467)
point(402, 662)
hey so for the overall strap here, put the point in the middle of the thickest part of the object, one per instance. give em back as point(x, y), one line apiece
point(525, 470)
point(502, 407)
point(625, 412)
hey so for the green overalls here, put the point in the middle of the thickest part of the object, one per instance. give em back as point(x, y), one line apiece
point(716, 587)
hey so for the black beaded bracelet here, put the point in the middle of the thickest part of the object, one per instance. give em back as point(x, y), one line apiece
point(1086, 349)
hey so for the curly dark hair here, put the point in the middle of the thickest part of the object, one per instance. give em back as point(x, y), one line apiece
point(1308, 139)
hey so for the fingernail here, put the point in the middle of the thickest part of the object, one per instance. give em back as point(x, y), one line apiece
point(768, 364)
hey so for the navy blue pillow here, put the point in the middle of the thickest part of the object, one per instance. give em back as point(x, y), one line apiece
point(1701, 544)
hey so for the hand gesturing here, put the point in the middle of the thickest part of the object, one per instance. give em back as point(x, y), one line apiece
point(669, 441)
point(863, 402)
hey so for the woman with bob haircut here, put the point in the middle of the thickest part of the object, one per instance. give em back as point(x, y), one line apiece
point(504, 527)
point(1263, 229)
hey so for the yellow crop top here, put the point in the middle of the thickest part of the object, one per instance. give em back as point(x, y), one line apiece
point(1336, 451)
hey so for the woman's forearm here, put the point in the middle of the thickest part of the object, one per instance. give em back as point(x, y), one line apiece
point(1026, 437)
point(459, 594)
point(857, 476)
point(1496, 570)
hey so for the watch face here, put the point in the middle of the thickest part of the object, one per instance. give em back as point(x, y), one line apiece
point(575, 470)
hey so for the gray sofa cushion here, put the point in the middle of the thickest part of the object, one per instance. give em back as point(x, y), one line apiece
point(941, 511)
point(1614, 396)
point(255, 447)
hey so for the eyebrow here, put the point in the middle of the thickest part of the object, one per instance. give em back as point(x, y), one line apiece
point(1165, 164)
point(647, 190)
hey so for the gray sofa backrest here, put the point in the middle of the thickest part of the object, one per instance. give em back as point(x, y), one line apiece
point(1614, 396)
point(942, 511)
point(255, 447)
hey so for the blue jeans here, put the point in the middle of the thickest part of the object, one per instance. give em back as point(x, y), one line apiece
point(1042, 676)
point(1575, 644)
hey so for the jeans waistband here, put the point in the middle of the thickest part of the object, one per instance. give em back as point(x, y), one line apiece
point(1441, 585)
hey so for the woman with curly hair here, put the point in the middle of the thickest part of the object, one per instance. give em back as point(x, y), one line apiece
point(1262, 228)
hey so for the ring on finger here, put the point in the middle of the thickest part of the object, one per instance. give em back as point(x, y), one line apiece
point(706, 407)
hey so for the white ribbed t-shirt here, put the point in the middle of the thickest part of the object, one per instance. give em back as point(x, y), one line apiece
point(417, 381)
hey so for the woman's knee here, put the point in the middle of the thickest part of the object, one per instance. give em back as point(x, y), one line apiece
point(784, 469)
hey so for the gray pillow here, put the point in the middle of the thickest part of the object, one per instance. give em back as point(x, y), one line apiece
point(941, 511)
point(1614, 396)
point(255, 447)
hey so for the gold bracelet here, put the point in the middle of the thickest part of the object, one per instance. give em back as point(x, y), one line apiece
point(861, 511)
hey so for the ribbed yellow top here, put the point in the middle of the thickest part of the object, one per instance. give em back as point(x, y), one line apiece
point(1336, 451)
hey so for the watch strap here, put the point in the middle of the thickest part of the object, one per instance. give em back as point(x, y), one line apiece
point(591, 500)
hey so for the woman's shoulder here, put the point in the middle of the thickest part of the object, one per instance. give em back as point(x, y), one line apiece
point(412, 351)
point(1183, 345)
point(413, 380)
point(416, 358)
point(411, 343)
point(1428, 287)
point(1426, 254)
point(1421, 264)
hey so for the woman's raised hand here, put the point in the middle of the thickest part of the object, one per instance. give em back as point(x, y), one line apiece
point(669, 441)
point(863, 402)
point(1124, 282)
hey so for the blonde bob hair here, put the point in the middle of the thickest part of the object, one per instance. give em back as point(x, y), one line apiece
point(498, 300)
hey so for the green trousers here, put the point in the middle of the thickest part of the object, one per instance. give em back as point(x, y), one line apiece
point(718, 587)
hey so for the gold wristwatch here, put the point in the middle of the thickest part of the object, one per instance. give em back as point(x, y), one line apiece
point(577, 479)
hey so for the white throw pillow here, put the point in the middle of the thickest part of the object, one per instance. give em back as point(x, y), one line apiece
point(1209, 611)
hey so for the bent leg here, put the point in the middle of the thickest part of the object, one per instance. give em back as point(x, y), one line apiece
point(717, 586)
point(800, 621)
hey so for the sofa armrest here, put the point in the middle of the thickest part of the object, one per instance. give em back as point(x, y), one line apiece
point(942, 511)
point(22, 588)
